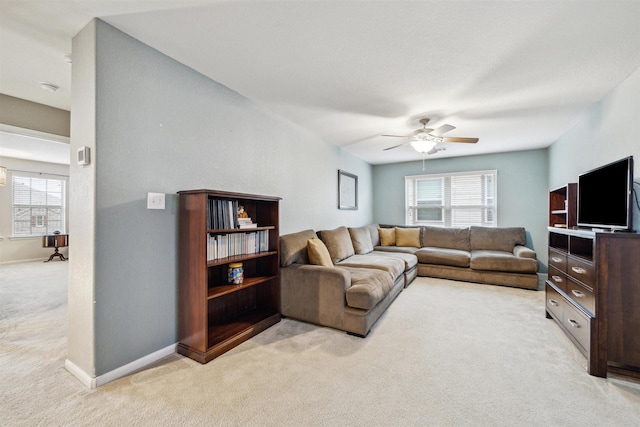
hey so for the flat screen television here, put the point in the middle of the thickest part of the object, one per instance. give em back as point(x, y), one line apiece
point(605, 196)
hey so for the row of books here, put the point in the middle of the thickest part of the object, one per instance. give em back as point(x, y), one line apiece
point(223, 214)
point(227, 245)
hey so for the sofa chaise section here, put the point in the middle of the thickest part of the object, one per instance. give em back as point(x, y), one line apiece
point(345, 297)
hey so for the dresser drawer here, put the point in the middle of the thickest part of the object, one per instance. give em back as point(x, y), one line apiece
point(578, 325)
point(558, 260)
point(554, 302)
point(582, 271)
point(558, 278)
point(582, 295)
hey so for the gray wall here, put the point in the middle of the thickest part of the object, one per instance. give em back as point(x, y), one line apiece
point(522, 190)
point(162, 127)
point(608, 132)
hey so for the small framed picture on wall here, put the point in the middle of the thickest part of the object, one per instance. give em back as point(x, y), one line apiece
point(347, 190)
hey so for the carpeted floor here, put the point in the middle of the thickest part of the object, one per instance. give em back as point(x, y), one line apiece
point(444, 354)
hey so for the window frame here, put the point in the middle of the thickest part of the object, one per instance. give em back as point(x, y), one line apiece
point(488, 199)
point(42, 218)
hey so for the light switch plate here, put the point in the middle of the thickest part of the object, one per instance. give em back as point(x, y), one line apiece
point(155, 200)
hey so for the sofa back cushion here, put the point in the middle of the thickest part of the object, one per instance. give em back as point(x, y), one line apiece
point(448, 238)
point(361, 239)
point(497, 239)
point(375, 236)
point(408, 237)
point(293, 247)
point(318, 253)
point(338, 242)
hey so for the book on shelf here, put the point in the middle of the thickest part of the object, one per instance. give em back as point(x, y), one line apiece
point(235, 244)
point(222, 214)
point(246, 223)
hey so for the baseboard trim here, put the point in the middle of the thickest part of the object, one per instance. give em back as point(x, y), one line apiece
point(81, 375)
point(95, 382)
point(17, 261)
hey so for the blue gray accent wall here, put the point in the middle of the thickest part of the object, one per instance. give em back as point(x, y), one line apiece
point(522, 190)
point(163, 127)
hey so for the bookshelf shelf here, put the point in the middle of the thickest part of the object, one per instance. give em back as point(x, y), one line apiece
point(220, 290)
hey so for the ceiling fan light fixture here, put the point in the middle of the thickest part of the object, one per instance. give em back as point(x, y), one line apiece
point(423, 145)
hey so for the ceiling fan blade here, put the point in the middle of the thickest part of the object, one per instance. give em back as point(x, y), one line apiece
point(395, 146)
point(439, 131)
point(398, 136)
point(460, 139)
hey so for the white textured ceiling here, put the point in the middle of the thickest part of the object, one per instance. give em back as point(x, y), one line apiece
point(516, 74)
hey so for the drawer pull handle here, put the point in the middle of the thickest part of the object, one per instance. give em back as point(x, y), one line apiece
point(579, 270)
point(577, 293)
point(553, 302)
point(573, 323)
point(557, 279)
point(556, 259)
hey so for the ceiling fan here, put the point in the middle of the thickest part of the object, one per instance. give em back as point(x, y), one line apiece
point(425, 140)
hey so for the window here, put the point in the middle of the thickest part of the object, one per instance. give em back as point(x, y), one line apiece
point(452, 200)
point(38, 205)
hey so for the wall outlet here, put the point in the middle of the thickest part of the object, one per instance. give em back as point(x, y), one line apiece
point(155, 200)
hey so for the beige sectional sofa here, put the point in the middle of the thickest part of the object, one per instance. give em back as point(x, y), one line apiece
point(496, 256)
point(355, 279)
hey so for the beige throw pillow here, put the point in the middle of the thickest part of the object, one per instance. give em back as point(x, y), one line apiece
point(387, 236)
point(408, 237)
point(318, 253)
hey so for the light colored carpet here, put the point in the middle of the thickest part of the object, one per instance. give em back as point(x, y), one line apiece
point(444, 354)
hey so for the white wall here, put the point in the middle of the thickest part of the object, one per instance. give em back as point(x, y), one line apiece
point(162, 127)
point(608, 132)
point(14, 249)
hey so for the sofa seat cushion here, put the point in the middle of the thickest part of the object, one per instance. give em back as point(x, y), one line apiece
point(368, 287)
point(490, 260)
point(442, 256)
point(410, 260)
point(396, 249)
point(394, 266)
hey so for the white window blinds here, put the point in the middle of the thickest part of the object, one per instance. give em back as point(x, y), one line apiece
point(38, 205)
point(452, 200)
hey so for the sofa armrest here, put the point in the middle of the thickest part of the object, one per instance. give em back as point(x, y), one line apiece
point(524, 252)
point(314, 293)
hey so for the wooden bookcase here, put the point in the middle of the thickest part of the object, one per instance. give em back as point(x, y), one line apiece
point(563, 205)
point(213, 315)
